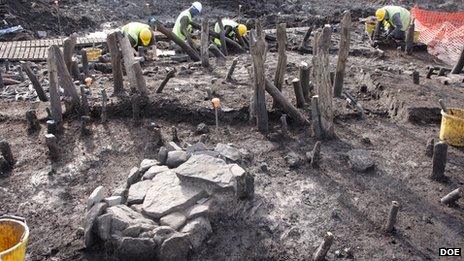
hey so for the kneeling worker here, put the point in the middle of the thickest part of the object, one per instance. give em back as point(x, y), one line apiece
point(395, 19)
point(139, 34)
point(182, 27)
point(232, 29)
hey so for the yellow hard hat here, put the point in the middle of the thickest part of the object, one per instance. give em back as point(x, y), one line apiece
point(242, 29)
point(145, 36)
point(380, 14)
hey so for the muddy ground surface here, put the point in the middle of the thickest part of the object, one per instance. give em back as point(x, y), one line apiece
point(293, 207)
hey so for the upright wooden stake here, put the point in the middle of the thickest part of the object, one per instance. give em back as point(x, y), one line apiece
point(85, 62)
point(170, 75)
point(69, 45)
point(342, 53)
point(140, 80)
point(128, 54)
point(304, 44)
point(429, 147)
point(304, 80)
point(415, 77)
point(390, 227)
point(282, 60)
point(135, 100)
point(35, 82)
point(75, 70)
point(222, 37)
point(205, 43)
point(55, 102)
point(84, 102)
point(116, 56)
point(283, 123)
point(231, 70)
point(324, 247)
point(440, 153)
point(66, 81)
point(316, 118)
point(316, 155)
point(410, 38)
point(460, 64)
point(258, 48)
point(5, 150)
point(2, 84)
point(52, 144)
point(300, 101)
point(32, 121)
point(52, 127)
point(323, 82)
point(104, 113)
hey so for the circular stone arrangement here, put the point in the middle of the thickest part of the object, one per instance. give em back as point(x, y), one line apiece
point(164, 210)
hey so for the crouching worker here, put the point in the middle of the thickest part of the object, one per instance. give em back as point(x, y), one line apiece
point(232, 29)
point(182, 27)
point(139, 34)
point(394, 20)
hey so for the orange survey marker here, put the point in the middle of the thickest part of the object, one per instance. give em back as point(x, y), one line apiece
point(442, 32)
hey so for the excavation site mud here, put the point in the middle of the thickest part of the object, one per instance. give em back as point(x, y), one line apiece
point(168, 159)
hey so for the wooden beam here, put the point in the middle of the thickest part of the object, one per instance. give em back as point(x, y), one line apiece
point(55, 102)
point(323, 82)
point(284, 104)
point(116, 56)
point(258, 49)
point(205, 43)
point(171, 36)
point(35, 82)
point(342, 53)
point(282, 60)
point(170, 75)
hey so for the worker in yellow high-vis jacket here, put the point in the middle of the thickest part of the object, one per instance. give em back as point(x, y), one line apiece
point(232, 29)
point(395, 20)
point(182, 27)
point(139, 34)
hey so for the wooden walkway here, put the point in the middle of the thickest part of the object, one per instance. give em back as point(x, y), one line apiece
point(36, 50)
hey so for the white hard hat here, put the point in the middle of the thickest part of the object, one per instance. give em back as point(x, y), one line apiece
point(197, 6)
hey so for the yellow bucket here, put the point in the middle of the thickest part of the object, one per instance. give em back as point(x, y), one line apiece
point(93, 54)
point(14, 235)
point(452, 127)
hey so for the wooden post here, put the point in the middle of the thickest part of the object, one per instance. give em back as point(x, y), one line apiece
point(84, 102)
point(104, 113)
point(75, 70)
point(283, 123)
point(410, 38)
point(116, 56)
point(69, 45)
point(140, 80)
point(2, 84)
point(129, 59)
point(85, 124)
point(440, 153)
point(324, 247)
point(460, 64)
point(342, 53)
point(300, 101)
point(65, 78)
point(85, 62)
point(222, 37)
point(231, 70)
point(323, 82)
point(205, 43)
point(5, 150)
point(415, 77)
point(175, 137)
point(35, 82)
point(316, 118)
point(170, 75)
point(390, 226)
point(171, 36)
point(316, 155)
point(32, 121)
point(55, 102)
point(258, 48)
point(304, 44)
point(304, 79)
point(52, 144)
point(452, 197)
point(282, 60)
point(284, 104)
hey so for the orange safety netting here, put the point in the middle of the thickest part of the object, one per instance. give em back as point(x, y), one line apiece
point(442, 32)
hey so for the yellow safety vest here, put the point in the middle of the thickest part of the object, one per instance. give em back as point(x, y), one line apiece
point(405, 15)
point(133, 30)
point(176, 30)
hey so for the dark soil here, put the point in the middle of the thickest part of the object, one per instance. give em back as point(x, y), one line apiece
point(293, 207)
